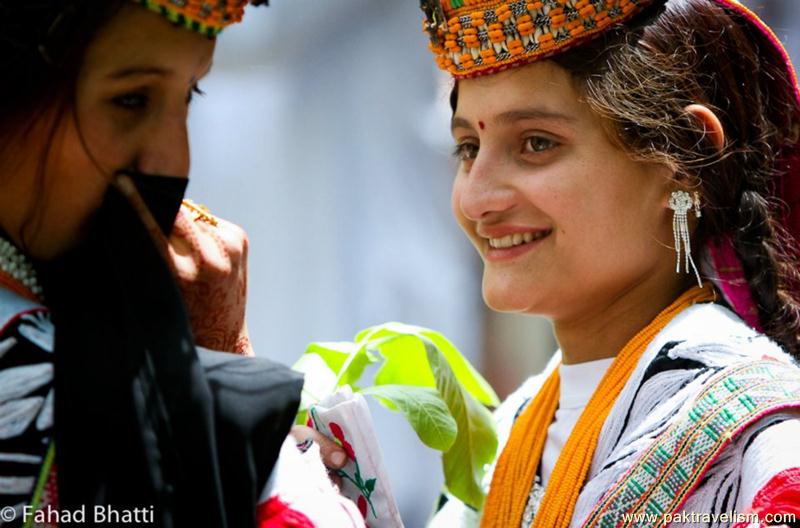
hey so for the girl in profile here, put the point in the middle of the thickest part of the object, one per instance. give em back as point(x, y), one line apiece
point(119, 306)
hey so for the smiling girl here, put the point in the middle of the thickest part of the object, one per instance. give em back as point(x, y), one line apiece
point(628, 168)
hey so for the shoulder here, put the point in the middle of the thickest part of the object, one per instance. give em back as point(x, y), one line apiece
point(707, 395)
point(708, 351)
point(13, 307)
point(23, 325)
point(714, 336)
point(701, 344)
point(697, 354)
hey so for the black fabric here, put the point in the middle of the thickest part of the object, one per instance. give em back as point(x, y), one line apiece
point(139, 422)
point(162, 195)
point(247, 392)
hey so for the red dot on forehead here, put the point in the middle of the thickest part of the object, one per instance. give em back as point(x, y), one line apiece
point(481, 124)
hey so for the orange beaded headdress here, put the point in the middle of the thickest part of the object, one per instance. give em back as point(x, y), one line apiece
point(208, 17)
point(475, 37)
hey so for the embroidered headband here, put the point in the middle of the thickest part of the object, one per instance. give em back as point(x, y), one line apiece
point(207, 17)
point(481, 37)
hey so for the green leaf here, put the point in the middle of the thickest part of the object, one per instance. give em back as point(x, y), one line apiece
point(370, 485)
point(406, 361)
point(418, 363)
point(476, 442)
point(334, 353)
point(464, 372)
point(319, 380)
point(425, 410)
point(347, 360)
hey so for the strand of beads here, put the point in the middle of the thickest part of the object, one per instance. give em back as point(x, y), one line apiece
point(16, 265)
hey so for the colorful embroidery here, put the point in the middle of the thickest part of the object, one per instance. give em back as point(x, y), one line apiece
point(664, 476)
point(206, 17)
point(472, 37)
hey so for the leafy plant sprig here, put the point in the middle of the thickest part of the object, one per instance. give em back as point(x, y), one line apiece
point(423, 376)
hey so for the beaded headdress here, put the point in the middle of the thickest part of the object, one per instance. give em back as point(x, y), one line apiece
point(482, 37)
point(208, 17)
point(472, 37)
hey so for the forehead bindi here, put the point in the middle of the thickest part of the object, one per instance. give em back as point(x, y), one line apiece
point(482, 125)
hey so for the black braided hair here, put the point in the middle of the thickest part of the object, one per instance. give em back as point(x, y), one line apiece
point(770, 272)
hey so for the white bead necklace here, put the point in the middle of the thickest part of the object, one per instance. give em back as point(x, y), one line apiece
point(15, 264)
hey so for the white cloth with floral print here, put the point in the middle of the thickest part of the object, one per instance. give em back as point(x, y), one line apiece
point(345, 417)
point(300, 482)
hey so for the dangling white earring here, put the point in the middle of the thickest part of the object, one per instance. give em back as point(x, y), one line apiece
point(681, 202)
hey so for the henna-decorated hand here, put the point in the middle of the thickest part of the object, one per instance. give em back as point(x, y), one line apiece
point(209, 256)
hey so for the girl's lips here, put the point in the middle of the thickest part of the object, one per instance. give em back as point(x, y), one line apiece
point(510, 253)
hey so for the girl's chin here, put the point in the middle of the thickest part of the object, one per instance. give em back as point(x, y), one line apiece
point(509, 299)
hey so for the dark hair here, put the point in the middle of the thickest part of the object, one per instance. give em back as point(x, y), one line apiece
point(42, 45)
point(696, 51)
point(642, 76)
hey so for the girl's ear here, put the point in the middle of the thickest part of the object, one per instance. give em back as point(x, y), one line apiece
point(711, 124)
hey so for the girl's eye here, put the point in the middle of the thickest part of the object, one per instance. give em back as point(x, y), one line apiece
point(132, 101)
point(538, 144)
point(466, 151)
point(195, 90)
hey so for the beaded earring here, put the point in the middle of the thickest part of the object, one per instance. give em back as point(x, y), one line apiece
point(681, 202)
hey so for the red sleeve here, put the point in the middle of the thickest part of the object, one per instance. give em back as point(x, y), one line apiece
point(781, 497)
point(275, 513)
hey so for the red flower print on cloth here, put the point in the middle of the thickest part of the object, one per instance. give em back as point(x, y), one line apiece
point(339, 435)
point(362, 506)
point(363, 487)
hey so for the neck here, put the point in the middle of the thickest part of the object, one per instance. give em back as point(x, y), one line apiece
point(603, 330)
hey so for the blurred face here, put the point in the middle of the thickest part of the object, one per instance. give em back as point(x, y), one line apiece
point(132, 101)
point(562, 218)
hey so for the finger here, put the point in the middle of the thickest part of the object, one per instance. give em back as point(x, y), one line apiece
point(181, 250)
point(336, 479)
point(333, 456)
point(182, 223)
point(233, 236)
point(213, 253)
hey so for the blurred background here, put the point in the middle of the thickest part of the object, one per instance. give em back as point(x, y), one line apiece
point(325, 134)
